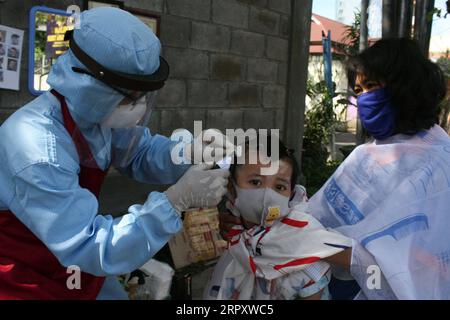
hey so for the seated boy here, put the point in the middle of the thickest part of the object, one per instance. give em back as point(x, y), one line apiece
point(277, 252)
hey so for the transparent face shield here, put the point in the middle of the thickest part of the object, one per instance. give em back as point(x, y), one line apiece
point(122, 136)
point(126, 141)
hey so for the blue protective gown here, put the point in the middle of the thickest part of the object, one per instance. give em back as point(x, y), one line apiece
point(40, 165)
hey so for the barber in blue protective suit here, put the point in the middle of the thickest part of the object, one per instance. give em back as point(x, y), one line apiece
point(56, 150)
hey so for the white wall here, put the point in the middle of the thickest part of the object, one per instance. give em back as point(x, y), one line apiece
point(315, 70)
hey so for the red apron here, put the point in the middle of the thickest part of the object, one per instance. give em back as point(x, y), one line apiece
point(28, 270)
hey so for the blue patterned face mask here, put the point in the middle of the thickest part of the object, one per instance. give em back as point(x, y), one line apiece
point(377, 114)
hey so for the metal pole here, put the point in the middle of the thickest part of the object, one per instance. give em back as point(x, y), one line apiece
point(429, 26)
point(390, 26)
point(364, 32)
point(386, 13)
point(423, 25)
point(419, 19)
point(298, 74)
point(405, 19)
point(363, 44)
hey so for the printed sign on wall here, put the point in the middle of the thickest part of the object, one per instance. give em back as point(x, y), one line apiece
point(11, 41)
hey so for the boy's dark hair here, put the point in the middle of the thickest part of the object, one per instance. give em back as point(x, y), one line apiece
point(416, 85)
point(283, 152)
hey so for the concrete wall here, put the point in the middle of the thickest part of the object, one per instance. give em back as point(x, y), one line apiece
point(316, 71)
point(228, 61)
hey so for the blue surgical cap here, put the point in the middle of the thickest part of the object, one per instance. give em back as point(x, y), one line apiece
point(117, 40)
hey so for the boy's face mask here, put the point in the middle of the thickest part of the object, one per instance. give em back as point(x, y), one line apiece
point(260, 206)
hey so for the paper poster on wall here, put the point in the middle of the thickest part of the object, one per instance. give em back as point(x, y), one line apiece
point(11, 41)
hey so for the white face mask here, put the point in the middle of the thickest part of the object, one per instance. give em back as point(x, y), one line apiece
point(260, 206)
point(126, 116)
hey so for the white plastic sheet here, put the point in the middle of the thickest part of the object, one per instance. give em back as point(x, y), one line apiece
point(393, 198)
point(258, 257)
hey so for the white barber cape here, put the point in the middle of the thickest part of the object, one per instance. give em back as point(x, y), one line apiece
point(257, 257)
point(393, 198)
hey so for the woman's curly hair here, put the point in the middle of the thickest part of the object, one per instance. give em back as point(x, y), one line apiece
point(416, 85)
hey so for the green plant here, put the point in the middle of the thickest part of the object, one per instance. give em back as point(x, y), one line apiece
point(438, 12)
point(320, 123)
point(40, 36)
point(444, 64)
point(321, 120)
point(352, 35)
